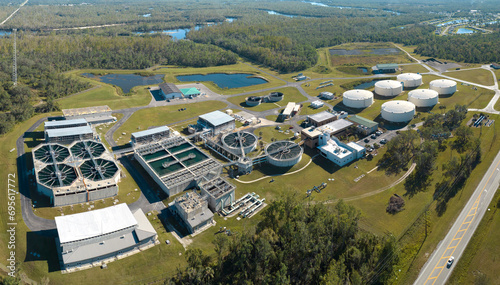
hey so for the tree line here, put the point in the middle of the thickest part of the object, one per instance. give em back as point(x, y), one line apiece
point(295, 243)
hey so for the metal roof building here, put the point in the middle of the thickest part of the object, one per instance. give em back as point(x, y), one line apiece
point(61, 124)
point(68, 135)
point(96, 237)
point(190, 91)
point(93, 115)
point(150, 135)
point(170, 91)
point(217, 121)
point(364, 125)
point(386, 68)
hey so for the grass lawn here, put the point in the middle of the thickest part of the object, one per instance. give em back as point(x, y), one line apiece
point(159, 116)
point(479, 260)
point(291, 94)
point(106, 95)
point(271, 132)
point(272, 118)
point(308, 110)
point(414, 68)
point(497, 105)
point(479, 76)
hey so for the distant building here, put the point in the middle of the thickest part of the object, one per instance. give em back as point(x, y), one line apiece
point(364, 125)
point(217, 122)
point(170, 91)
point(386, 68)
point(317, 104)
point(150, 135)
point(338, 152)
point(300, 78)
point(192, 209)
point(100, 236)
point(321, 118)
point(326, 95)
point(93, 115)
point(495, 65)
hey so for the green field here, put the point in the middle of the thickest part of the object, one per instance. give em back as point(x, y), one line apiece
point(269, 133)
point(159, 116)
point(291, 94)
point(479, 76)
point(308, 110)
point(414, 68)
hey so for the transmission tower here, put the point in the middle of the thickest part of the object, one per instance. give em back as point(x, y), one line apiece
point(14, 64)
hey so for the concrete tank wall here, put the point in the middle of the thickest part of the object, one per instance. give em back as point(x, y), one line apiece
point(388, 88)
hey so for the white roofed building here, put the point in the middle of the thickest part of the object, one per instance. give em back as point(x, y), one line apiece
point(217, 122)
point(338, 152)
point(93, 238)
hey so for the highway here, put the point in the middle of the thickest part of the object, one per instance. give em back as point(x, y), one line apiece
point(435, 270)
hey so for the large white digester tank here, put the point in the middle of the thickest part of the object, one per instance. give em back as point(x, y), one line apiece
point(388, 88)
point(410, 80)
point(423, 97)
point(398, 111)
point(357, 98)
point(443, 86)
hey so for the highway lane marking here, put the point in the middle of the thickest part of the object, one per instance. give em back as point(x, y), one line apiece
point(474, 207)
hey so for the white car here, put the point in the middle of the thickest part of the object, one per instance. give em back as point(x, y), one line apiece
point(450, 262)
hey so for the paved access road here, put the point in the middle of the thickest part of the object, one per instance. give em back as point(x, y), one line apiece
point(435, 270)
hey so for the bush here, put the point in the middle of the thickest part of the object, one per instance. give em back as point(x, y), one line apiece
point(396, 204)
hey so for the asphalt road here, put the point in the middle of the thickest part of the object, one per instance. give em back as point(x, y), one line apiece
point(435, 270)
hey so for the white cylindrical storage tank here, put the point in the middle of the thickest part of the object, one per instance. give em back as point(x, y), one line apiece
point(253, 101)
point(443, 86)
point(398, 111)
point(357, 98)
point(283, 153)
point(238, 141)
point(388, 88)
point(410, 80)
point(423, 97)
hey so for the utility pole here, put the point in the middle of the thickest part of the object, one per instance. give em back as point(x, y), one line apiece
point(14, 65)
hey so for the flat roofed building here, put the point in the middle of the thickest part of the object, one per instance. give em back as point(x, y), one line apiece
point(288, 112)
point(192, 209)
point(150, 135)
point(96, 237)
point(321, 118)
point(495, 65)
point(93, 115)
point(364, 125)
point(386, 68)
point(217, 122)
point(310, 136)
point(220, 193)
point(170, 91)
point(61, 124)
point(338, 152)
point(68, 135)
point(336, 127)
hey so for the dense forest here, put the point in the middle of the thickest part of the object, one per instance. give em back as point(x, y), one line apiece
point(41, 59)
point(296, 243)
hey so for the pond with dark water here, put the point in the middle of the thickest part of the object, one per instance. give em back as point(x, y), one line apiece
point(377, 51)
point(366, 85)
point(223, 80)
point(127, 81)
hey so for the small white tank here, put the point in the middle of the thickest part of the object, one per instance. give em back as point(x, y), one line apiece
point(357, 98)
point(443, 86)
point(398, 111)
point(410, 80)
point(423, 97)
point(388, 88)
